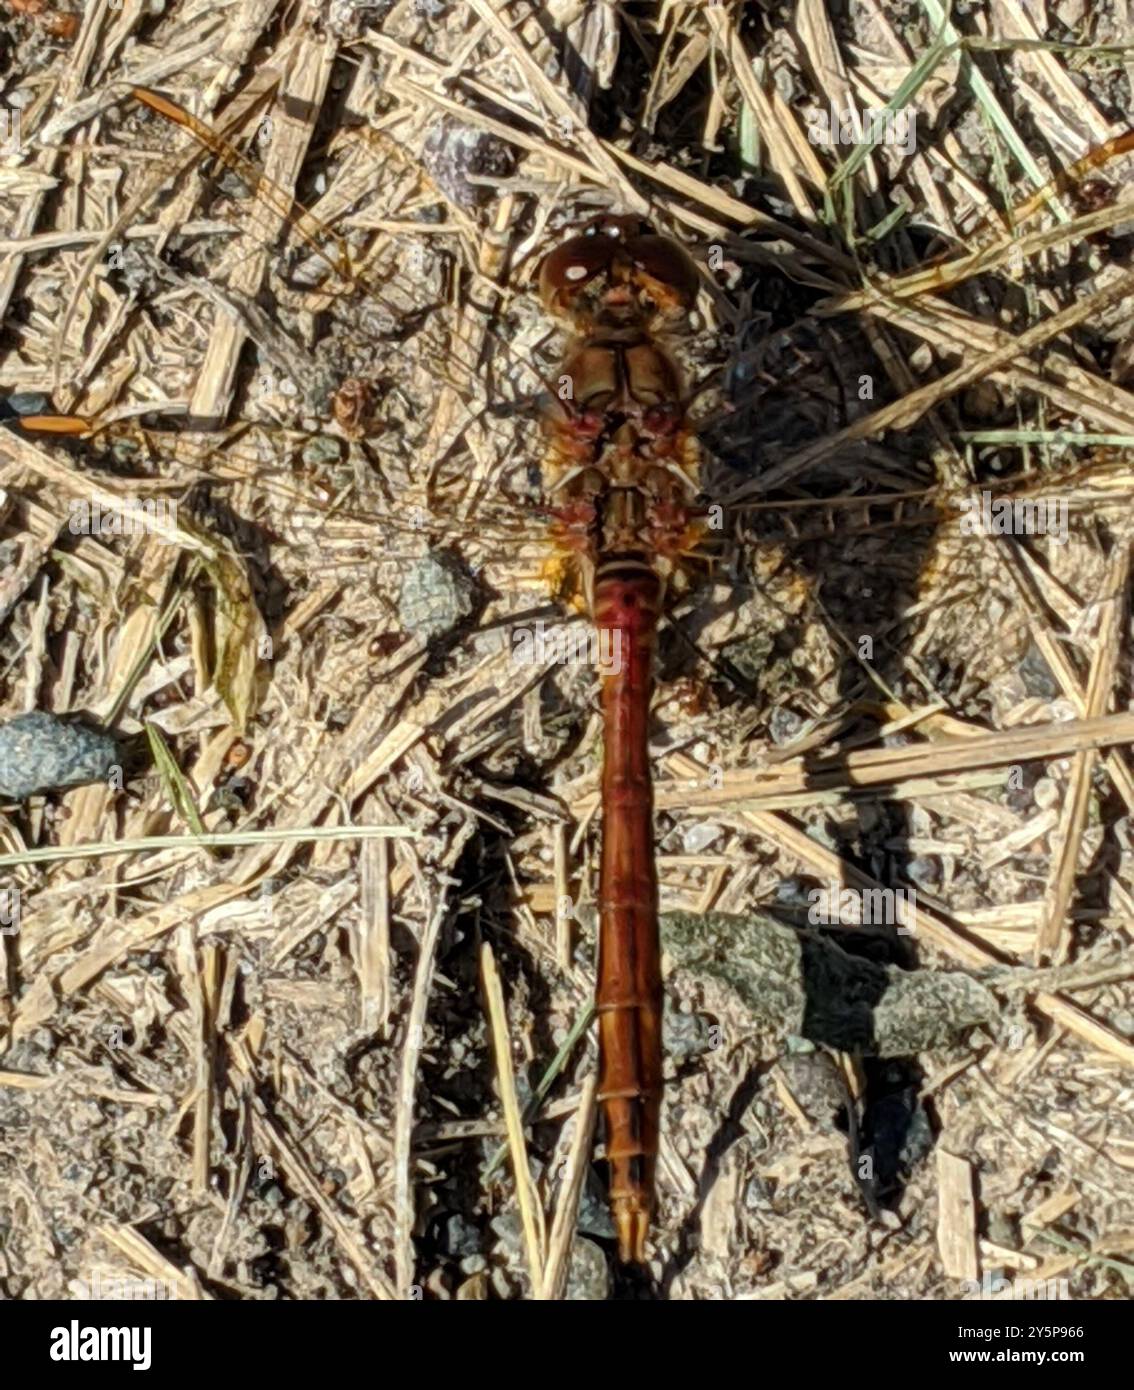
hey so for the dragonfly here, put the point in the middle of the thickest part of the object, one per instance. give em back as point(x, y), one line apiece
point(628, 469)
point(622, 501)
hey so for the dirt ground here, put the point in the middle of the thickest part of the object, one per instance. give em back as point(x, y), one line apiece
point(281, 1064)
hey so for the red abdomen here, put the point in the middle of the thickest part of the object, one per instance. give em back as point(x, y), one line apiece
point(627, 596)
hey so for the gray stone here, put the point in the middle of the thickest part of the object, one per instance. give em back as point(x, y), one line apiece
point(40, 752)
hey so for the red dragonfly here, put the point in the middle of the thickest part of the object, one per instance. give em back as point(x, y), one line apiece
point(621, 483)
point(627, 466)
point(623, 474)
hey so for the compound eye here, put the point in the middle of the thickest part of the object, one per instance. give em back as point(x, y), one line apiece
point(667, 262)
point(571, 266)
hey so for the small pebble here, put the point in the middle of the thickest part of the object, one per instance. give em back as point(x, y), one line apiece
point(1036, 675)
point(925, 872)
point(699, 837)
point(24, 403)
point(460, 1238)
point(436, 594)
point(1003, 1230)
point(588, 1275)
point(40, 753)
point(322, 451)
point(453, 152)
point(685, 1035)
point(1045, 793)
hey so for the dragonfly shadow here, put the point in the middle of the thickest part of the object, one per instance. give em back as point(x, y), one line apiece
point(823, 991)
point(455, 1098)
point(823, 589)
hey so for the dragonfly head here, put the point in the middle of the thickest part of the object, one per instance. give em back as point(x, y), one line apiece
point(618, 274)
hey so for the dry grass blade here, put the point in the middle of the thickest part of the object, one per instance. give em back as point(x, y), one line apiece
point(905, 412)
point(250, 100)
point(137, 1251)
point(992, 108)
point(785, 143)
point(370, 941)
point(405, 1206)
point(319, 642)
point(956, 1217)
point(1053, 940)
point(912, 765)
point(531, 1213)
point(229, 840)
point(570, 1188)
point(557, 105)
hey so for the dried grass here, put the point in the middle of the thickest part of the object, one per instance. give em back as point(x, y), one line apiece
point(302, 1007)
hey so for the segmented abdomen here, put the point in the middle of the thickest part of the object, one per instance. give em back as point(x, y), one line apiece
point(629, 997)
point(622, 474)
